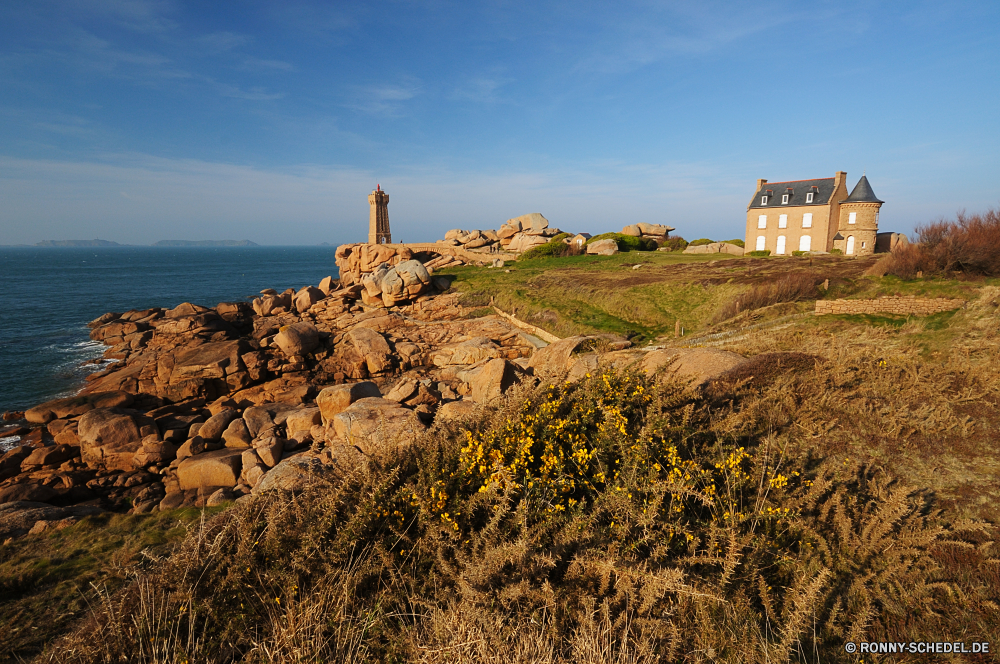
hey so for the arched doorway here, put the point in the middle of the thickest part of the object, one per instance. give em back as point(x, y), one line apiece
point(850, 245)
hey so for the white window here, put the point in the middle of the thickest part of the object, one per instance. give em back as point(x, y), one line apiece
point(781, 245)
point(762, 221)
point(784, 199)
point(850, 245)
point(805, 243)
point(807, 220)
point(760, 243)
point(763, 200)
point(853, 218)
point(863, 244)
point(783, 221)
point(809, 197)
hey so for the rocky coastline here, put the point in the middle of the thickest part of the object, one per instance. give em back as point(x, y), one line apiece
point(203, 406)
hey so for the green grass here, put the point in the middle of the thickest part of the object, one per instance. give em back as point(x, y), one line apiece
point(590, 294)
point(48, 581)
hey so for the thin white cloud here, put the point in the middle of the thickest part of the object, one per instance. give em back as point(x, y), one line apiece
point(255, 93)
point(383, 99)
point(221, 42)
point(250, 63)
point(482, 89)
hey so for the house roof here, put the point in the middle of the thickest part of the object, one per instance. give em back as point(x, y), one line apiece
point(862, 193)
point(822, 188)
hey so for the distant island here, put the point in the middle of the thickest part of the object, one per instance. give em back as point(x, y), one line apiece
point(205, 243)
point(78, 243)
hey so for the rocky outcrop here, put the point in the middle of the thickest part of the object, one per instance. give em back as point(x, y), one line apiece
point(78, 405)
point(483, 241)
point(217, 469)
point(391, 285)
point(606, 247)
point(297, 339)
point(205, 405)
point(715, 248)
point(374, 424)
point(110, 437)
point(525, 232)
point(656, 232)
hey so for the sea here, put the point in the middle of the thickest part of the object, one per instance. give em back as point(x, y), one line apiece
point(48, 295)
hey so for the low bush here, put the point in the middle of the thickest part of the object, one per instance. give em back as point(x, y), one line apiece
point(738, 243)
point(789, 288)
point(676, 243)
point(799, 253)
point(970, 245)
point(760, 253)
point(700, 241)
point(627, 242)
point(554, 248)
point(836, 252)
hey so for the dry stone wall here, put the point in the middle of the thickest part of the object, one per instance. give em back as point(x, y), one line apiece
point(915, 306)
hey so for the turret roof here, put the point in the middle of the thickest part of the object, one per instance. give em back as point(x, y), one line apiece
point(862, 193)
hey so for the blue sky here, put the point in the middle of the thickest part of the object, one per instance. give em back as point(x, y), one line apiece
point(141, 120)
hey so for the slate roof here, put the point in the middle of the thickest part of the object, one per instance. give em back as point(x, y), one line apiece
point(799, 189)
point(862, 193)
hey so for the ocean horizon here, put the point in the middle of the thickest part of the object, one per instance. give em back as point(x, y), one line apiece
point(53, 292)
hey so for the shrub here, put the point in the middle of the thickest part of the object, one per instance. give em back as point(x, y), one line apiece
point(553, 248)
point(738, 243)
point(799, 253)
point(969, 244)
point(837, 252)
point(700, 241)
point(627, 242)
point(790, 288)
point(760, 253)
point(676, 243)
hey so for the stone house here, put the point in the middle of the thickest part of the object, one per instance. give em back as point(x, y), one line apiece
point(813, 215)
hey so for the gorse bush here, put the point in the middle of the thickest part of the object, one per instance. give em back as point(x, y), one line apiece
point(582, 522)
point(701, 241)
point(970, 244)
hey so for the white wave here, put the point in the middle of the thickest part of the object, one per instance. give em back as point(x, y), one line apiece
point(9, 442)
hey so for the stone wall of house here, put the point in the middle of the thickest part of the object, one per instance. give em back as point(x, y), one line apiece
point(915, 306)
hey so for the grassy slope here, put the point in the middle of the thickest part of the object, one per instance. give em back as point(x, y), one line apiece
point(586, 294)
point(49, 581)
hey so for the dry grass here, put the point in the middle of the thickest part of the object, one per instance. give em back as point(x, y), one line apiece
point(789, 288)
point(608, 521)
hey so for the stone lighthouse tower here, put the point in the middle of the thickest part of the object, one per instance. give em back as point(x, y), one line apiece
point(378, 221)
point(858, 221)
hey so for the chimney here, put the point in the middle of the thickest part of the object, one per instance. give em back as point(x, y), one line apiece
point(838, 178)
point(760, 183)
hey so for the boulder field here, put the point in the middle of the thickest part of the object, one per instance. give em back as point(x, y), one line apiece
point(199, 406)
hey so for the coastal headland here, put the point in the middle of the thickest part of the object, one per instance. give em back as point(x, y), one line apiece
point(447, 416)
